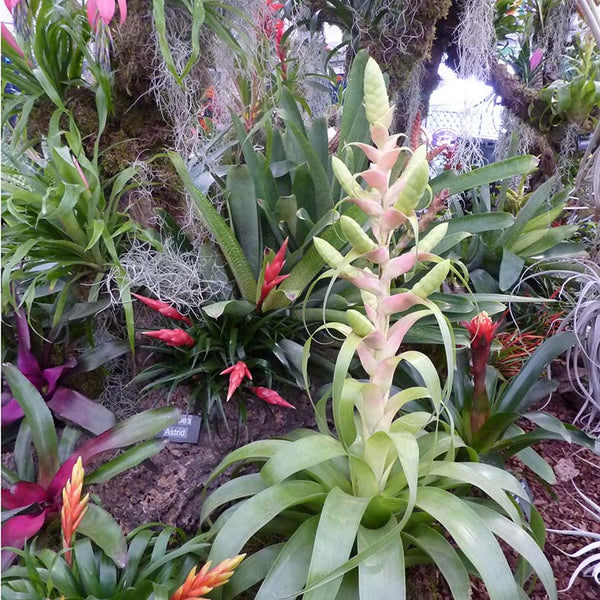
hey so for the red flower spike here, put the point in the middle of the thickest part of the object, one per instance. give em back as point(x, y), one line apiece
point(482, 330)
point(163, 308)
point(236, 374)
point(172, 337)
point(272, 278)
point(270, 396)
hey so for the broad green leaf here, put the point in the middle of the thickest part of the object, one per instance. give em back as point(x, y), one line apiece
point(243, 211)
point(302, 454)
point(530, 458)
point(381, 576)
point(444, 557)
point(510, 269)
point(261, 449)
point(259, 510)
point(253, 569)
point(521, 541)
point(472, 537)
point(102, 529)
point(498, 171)
point(240, 487)
point(336, 534)
point(288, 573)
point(40, 421)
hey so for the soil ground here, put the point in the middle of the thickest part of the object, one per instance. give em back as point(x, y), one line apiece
point(170, 488)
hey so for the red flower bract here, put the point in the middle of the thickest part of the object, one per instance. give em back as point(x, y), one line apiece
point(236, 374)
point(172, 337)
point(270, 396)
point(271, 277)
point(163, 308)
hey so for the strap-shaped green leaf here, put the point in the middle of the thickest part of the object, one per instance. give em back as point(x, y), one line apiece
point(301, 454)
point(259, 510)
point(240, 487)
point(444, 557)
point(290, 568)
point(217, 226)
point(335, 537)
point(243, 211)
point(381, 576)
point(518, 388)
point(521, 541)
point(498, 171)
point(102, 529)
point(472, 537)
point(40, 421)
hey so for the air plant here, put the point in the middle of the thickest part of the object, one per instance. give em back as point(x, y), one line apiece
point(590, 565)
point(584, 320)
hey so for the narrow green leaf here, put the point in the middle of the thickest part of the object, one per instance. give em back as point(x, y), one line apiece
point(224, 237)
point(40, 421)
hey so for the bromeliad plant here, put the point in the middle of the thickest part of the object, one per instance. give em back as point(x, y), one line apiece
point(484, 410)
point(33, 500)
point(50, 380)
point(63, 222)
point(158, 562)
point(231, 338)
point(385, 491)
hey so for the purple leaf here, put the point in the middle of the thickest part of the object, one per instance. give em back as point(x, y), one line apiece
point(74, 407)
point(23, 336)
point(53, 374)
point(11, 411)
point(16, 531)
point(22, 494)
point(28, 365)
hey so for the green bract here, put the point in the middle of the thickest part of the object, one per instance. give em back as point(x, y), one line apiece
point(385, 490)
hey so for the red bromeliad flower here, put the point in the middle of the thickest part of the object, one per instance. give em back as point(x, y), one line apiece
point(163, 308)
point(482, 330)
point(105, 10)
point(271, 277)
point(270, 396)
point(236, 374)
point(172, 337)
point(279, 46)
point(271, 4)
point(196, 586)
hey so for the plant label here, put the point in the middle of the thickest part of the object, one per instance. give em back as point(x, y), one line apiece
point(185, 431)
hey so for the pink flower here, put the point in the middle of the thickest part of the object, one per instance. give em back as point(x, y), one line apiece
point(270, 396)
point(10, 4)
point(10, 40)
point(536, 59)
point(105, 9)
point(271, 4)
point(172, 337)
point(163, 308)
point(272, 278)
point(236, 374)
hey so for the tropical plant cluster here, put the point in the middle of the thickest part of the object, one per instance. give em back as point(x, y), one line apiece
point(413, 303)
